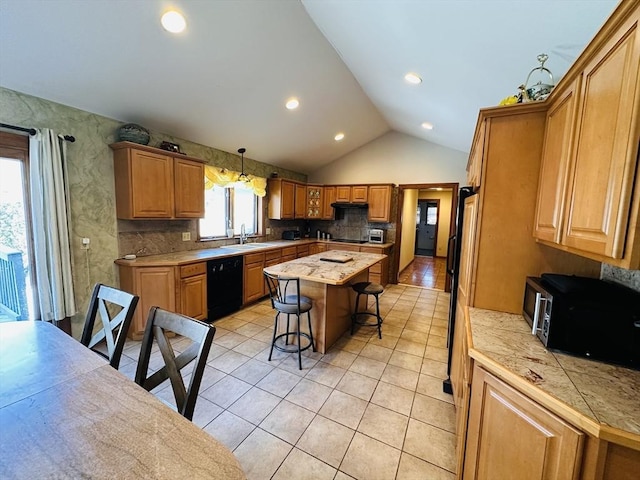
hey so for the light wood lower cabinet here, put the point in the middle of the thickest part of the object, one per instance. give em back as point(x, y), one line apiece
point(156, 286)
point(253, 277)
point(193, 290)
point(317, 248)
point(511, 436)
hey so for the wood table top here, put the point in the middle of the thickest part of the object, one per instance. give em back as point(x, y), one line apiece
point(65, 413)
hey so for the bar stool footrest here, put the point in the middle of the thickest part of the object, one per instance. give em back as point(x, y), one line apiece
point(363, 321)
point(292, 347)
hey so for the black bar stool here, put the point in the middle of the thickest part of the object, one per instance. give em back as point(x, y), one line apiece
point(286, 299)
point(367, 288)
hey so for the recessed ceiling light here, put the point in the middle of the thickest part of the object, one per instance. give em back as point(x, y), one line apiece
point(413, 78)
point(292, 103)
point(427, 125)
point(339, 137)
point(173, 21)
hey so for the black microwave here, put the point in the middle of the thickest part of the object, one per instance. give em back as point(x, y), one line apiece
point(586, 317)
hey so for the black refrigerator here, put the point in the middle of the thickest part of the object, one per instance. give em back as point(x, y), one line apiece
point(453, 269)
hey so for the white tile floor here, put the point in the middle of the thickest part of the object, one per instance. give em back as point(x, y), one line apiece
point(369, 409)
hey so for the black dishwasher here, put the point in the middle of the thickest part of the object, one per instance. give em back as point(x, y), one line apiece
point(224, 286)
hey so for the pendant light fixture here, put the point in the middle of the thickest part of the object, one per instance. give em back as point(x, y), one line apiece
point(243, 176)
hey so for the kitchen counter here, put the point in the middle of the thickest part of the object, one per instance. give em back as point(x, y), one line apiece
point(314, 269)
point(601, 399)
point(193, 256)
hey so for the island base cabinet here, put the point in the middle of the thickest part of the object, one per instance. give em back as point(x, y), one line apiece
point(511, 436)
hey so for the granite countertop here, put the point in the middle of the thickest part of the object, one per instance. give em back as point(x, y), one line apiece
point(194, 256)
point(314, 269)
point(602, 399)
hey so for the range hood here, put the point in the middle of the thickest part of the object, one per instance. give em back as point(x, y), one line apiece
point(350, 205)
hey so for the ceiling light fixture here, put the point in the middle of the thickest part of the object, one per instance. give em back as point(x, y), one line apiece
point(243, 176)
point(427, 125)
point(292, 103)
point(173, 22)
point(339, 137)
point(413, 78)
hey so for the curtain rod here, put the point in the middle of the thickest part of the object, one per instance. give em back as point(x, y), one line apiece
point(32, 131)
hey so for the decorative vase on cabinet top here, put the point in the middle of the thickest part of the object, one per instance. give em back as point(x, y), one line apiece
point(130, 132)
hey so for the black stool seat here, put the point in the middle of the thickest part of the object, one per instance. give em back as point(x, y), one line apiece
point(367, 288)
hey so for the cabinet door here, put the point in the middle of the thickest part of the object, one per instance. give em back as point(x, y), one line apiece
point(287, 200)
point(510, 436)
point(300, 196)
point(253, 282)
point(467, 253)
point(606, 146)
point(156, 287)
point(193, 297)
point(379, 203)
point(555, 165)
point(329, 197)
point(189, 188)
point(151, 185)
point(314, 201)
point(359, 193)
point(343, 193)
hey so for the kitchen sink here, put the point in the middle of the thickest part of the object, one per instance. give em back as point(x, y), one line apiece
point(247, 246)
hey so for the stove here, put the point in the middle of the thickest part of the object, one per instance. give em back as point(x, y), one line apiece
point(346, 240)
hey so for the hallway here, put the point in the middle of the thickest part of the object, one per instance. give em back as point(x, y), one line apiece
point(429, 272)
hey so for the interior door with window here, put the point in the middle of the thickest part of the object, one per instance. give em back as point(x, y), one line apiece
point(426, 227)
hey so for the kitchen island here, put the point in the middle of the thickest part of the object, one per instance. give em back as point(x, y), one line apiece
point(328, 284)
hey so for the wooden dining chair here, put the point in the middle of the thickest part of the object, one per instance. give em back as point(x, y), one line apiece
point(115, 309)
point(201, 334)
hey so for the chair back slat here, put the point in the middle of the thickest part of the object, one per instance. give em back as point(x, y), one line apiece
point(158, 323)
point(113, 330)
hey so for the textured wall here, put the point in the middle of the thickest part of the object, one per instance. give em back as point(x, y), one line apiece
point(92, 190)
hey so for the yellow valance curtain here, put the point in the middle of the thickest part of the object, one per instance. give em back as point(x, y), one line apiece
point(228, 178)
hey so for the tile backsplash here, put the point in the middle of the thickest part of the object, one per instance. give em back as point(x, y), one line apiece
point(628, 278)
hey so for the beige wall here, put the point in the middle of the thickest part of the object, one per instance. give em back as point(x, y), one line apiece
point(407, 246)
point(444, 217)
point(396, 158)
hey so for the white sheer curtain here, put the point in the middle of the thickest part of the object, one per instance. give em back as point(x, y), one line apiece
point(49, 214)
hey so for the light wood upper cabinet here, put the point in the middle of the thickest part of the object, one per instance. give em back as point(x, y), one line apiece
point(300, 201)
point(359, 193)
point(379, 203)
point(329, 197)
point(343, 193)
point(315, 197)
point(555, 165)
point(188, 188)
point(151, 184)
point(598, 211)
point(510, 433)
point(281, 199)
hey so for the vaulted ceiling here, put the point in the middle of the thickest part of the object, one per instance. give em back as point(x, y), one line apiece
point(224, 81)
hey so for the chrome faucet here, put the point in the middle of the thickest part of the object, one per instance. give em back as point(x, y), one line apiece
point(243, 235)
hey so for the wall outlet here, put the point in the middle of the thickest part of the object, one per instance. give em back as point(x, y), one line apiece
point(268, 230)
point(85, 243)
point(186, 236)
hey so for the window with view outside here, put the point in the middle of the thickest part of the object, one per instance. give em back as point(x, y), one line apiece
point(229, 208)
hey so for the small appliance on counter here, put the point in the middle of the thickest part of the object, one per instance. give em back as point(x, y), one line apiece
point(586, 317)
point(376, 235)
point(291, 235)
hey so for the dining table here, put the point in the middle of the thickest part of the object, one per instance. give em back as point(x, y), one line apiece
point(327, 278)
point(65, 413)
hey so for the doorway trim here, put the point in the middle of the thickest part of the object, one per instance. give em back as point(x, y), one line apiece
point(452, 227)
